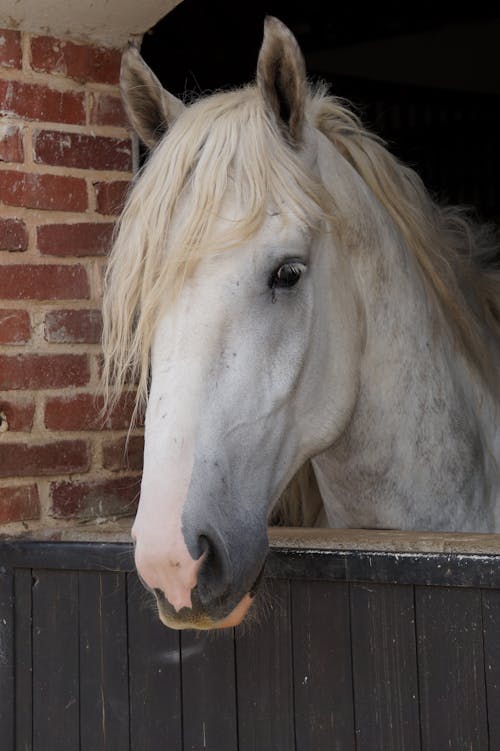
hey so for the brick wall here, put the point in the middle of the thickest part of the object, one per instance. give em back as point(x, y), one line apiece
point(65, 162)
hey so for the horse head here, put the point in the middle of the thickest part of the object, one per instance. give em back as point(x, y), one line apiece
point(235, 404)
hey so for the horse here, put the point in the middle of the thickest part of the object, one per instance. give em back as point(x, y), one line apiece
point(288, 298)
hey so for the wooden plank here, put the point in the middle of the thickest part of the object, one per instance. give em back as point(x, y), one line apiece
point(383, 540)
point(436, 569)
point(264, 673)
point(322, 666)
point(491, 631)
point(7, 685)
point(209, 691)
point(104, 701)
point(68, 556)
point(154, 675)
point(56, 698)
point(24, 662)
point(451, 669)
point(384, 668)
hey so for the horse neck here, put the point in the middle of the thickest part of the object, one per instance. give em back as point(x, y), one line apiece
point(413, 454)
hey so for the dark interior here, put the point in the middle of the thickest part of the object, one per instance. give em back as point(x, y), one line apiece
point(425, 77)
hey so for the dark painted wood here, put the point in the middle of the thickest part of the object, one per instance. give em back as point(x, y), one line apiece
point(209, 691)
point(96, 643)
point(322, 666)
point(436, 569)
point(451, 669)
point(74, 556)
point(104, 700)
point(384, 668)
point(7, 685)
point(264, 674)
point(491, 630)
point(55, 661)
point(154, 676)
point(23, 663)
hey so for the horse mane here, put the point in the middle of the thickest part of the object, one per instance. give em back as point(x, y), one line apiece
point(458, 257)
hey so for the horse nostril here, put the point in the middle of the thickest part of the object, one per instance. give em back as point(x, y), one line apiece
point(215, 574)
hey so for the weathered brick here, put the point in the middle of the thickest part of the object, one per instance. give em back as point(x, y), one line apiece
point(44, 282)
point(98, 498)
point(43, 371)
point(15, 327)
point(19, 413)
point(73, 326)
point(46, 192)
point(121, 454)
point(84, 412)
point(10, 49)
point(110, 197)
point(11, 143)
point(82, 151)
point(77, 239)
point(78, 61)
point(41, 459)
point(33, 101)
point(106, 109)
point(13, 235)
point(18, 504)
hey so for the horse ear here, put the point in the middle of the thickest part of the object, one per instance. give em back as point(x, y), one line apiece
point(281, 77)
point(151, 110)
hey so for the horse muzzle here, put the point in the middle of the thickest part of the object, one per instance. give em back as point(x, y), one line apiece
point(219, 596)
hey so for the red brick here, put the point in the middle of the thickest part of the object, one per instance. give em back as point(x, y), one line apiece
point(11, 144)
point(106, 109)
point(10, 49)
point(43, 282)
point(83, 412)
point(87, 500)
point(82, 151)
point(79, 61)
point(123, 454)
point(33, 101)
point(40, 459)
point(15, 327)
point(43, 371)
point(73, 326)
point(110, 197)
point(19, 413)
point(78, 239)
point(18, 504)
point(49, 192)
point(13, 235)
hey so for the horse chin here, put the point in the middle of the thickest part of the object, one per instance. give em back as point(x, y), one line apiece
point(187, 619)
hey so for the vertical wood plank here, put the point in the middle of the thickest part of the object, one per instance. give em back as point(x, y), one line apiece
point(385, 675)
point(491, 628)
point(7, 684)
point(264, 675)
point(55, 661)
point(154, 675)
point(24, 661)
point(209, 691)
point(324, 716)
point(451, 668)
point(104, 714)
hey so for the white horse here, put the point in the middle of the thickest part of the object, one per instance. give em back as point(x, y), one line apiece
point(285, 290)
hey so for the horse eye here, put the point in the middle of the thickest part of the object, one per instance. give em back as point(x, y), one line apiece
point(287, 275)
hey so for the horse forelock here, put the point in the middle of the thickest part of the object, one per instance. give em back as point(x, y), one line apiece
point(226, 144)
